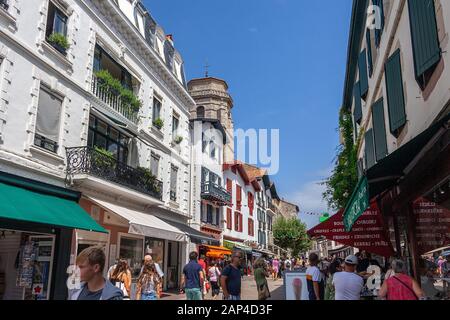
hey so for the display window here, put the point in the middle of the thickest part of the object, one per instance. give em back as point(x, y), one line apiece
point(131, 248)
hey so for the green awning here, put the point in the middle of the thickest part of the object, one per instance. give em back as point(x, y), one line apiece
point(236, 245)
point(17, 203)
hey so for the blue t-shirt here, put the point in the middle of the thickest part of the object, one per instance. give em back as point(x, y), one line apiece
point(233, 280)
point(191, 272)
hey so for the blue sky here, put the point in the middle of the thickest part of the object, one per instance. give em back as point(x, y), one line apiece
point(284, 61)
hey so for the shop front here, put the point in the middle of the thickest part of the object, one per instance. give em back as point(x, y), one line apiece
point(133, 233)
point(246, 252)
point(36, 225)
point(412, 189)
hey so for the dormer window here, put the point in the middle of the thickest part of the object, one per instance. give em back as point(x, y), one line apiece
point(169, 52)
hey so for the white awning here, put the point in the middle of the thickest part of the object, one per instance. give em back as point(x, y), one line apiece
point(144, 224)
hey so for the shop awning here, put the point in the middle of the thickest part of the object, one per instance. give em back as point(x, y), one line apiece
point(17, 203)
point(237, 245)
point(143, 223)
point(217, 252)
point(196, 236)
point(368, 233)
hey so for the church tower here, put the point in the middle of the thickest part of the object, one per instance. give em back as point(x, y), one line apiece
point(214, 102)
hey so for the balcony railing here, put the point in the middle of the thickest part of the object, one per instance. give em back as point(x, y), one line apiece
point(87, 160)
point(214, 192)
point(113, 100)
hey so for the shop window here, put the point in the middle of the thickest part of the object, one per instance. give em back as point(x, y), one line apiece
point(155, 248)
point(48, 120)
point(131, 249)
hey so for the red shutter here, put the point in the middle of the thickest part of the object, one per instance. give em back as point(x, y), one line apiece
point(236, 221)
point(241, 223)
point(250, 203)
point(249, 226)
point(230, 188)
point(238, 197)
point(229, 219)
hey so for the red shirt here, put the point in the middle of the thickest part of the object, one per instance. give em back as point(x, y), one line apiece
point(202, 263)
point(400, 290)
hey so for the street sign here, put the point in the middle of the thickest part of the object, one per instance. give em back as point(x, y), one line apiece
point(358, 204)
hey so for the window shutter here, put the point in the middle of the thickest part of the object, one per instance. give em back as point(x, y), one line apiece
point(379, 129)
point(379, 32)
point(229, 219)
point(249, 226)
point(395, 94)
point(425, 40)
point(363, 80)
point(230, 189)
point(369, 52)
point(370, 152)
point(241, 223)
point(357, 112)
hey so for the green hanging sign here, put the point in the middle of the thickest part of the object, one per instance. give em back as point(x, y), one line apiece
point(358, 204)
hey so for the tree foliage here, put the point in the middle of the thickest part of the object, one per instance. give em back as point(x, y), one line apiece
point(291, 234)
point(344, 178)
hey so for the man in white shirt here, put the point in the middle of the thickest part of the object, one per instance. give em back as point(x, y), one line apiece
point(348, 285)
point(314, 279)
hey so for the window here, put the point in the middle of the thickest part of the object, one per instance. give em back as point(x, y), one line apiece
point(357, 112)
point(212, 149)
point(173, 183)
point(168, 55)
point(229, 219)
point(217, 217)
point(250, 203)
point(205, 175)
point(238, 221)
point(379, 130)
point(425, 39)
point(175, 124)
point(209, 214)
point(149, 29)
point(156, 109)
point(395, 94)
point(369, 53)
point(131, 249)
point(200, 112)
point(47, 120)
point(379, 32)
point(104, 61)
point(4, 4)
point(154, 164)
point(104, 136)
point(56, 24)
point(230, 189)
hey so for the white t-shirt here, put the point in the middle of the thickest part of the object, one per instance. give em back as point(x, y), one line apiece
point(313, 273)
point(348, 286)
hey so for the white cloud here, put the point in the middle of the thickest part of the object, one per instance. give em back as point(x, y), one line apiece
point(309, 198)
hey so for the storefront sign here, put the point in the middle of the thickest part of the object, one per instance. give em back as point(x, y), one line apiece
point(368, 232)
point(358, 204)
point(432, 225)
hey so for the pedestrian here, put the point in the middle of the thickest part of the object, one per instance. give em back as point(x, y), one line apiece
point(111, 269)
point(214, 279)
point(440, 262)
point(148, 283)
point(202, 263)
point(400, 286)
point(335, 266)
point(192, 278)
point(231, 278)
point(314, 278)
point(148, 259)
point(347, 284)
point(91, 262)
point(121, 278)
point(275, 267)
point(261, 275)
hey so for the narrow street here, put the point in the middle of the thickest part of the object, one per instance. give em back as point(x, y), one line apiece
point(248, 291)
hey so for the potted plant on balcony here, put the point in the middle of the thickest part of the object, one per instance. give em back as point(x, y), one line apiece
point(108, 83)
point(130, 100)
point(178, 140)
point(59, 42)
point(158, 123)
point(149, 179)
point(102, 160)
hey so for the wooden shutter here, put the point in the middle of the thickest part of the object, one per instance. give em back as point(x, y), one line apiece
point(370, 152)
point(425, 40)
point(357, 112)
point(236, 221)
point(395, 94)
point(250, 203)
point(238, 197)
point(230, 189)
point(241, 223)
point(379, 130)
point(229, 219)
point(363, 80)
point(369, 53)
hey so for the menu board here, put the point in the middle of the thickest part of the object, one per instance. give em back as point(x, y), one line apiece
point(432, 225)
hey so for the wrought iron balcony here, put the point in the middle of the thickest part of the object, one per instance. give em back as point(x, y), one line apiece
point(4, 4)
point(87, 160)
point(213, 192)
point(113, 100)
